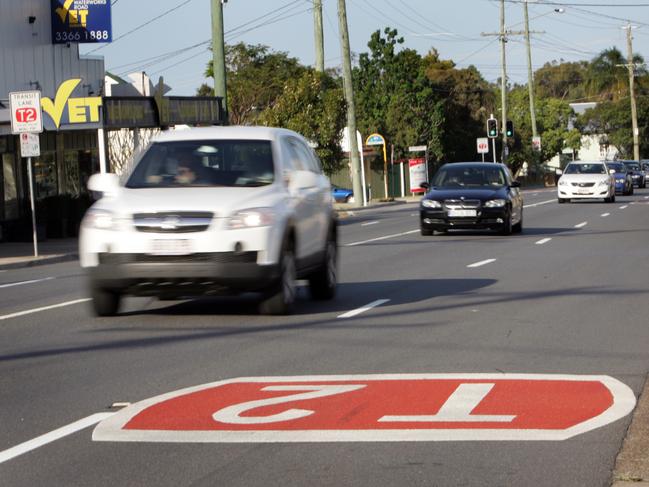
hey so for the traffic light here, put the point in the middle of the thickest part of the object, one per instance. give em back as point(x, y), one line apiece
point(509, 128)
point(492, 128)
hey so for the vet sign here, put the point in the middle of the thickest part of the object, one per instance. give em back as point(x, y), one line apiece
point(25, 108)
point(369, 408)
point(81, 21)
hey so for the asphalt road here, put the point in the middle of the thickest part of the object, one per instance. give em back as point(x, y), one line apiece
point(567, 296)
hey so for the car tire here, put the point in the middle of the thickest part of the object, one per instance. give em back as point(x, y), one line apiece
point(427, 232)
point(631, 191)
point(507, 227)
point(280, 298)
point(105, 302)
point(561, 200)
point(518, 227)
point(322, 283)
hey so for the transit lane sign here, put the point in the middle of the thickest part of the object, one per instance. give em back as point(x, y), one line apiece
point(366, 408)
point(26, 114)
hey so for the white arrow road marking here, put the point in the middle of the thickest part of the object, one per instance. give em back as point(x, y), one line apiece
point(21, 283)
point(481, 263)
point(367, 307)
point(604, 215)
point(381, 238)
point(44, 308)
point(581, 225)
point(57, 434)
point(369, 223)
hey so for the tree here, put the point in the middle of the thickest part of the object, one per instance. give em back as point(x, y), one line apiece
point(565, 81)
point(314, 106)
point(256, 77)
point(607, 76)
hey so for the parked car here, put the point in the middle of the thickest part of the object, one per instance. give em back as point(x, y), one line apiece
point(213, 211)
point(637, 174)
point(472, 195)
point(342, 195)
point(586, 180)
point(623, 180)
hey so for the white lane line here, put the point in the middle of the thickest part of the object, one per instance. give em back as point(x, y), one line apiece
point(44, 308)
point(481, 263)
point(381, 238)
point(25, 282)
point(57, 434)
point(581, 225)
point(369, 223)
point(367, 307)
point(624, 207)
point(646, 197)
point(543, 241)
point(540, 203)
point(604, 215)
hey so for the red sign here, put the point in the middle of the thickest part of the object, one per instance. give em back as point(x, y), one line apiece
point(401, 407)
point(26, 115)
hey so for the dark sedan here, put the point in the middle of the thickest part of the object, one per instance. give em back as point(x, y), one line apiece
point(637, 174)
point(472, 195)
point(623, 180)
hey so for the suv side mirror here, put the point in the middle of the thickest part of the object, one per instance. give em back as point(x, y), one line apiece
point(424, 185)
point(105, 183)
point(515, 184)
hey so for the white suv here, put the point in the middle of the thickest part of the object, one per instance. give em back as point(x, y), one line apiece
point(213, 211)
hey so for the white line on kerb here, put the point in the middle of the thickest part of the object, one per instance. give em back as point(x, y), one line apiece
point(539, 204)
point(624, 207)
point(367, 307)
point(482, 262)
point(25, 282)
point(581, 225)
point(44, 308)
point(543, 241)
point(381, 238)
point(52, 436)
point(369, 223)
point(604, 215)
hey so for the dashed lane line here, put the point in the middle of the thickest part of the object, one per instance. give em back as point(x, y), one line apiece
point(57, 434)
point(366, 224)
point(362, 309)
point(540, 203)
point(604, 215)
point(481, 263)
point(21, 283)
point(44, 308)
point(543, 241)
point(353, 244)
point(624, 207)
point(581, 225)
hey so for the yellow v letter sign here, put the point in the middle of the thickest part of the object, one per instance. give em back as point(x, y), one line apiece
point(55, 109)
point(63, 11)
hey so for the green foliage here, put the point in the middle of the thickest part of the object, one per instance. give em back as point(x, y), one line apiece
point(312, 105)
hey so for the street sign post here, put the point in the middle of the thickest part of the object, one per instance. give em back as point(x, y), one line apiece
point(382, 407)
point(27, 120)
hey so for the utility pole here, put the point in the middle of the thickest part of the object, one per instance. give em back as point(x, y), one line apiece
point(634, 110)
point(218, 53)
point(530, 74)
point(351, 107)
point(503, 79)
point(319, 35)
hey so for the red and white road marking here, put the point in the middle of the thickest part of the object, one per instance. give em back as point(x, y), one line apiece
point(389, 407)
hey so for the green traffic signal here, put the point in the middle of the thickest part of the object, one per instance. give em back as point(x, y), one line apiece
point(509, 128)
point(492, 128)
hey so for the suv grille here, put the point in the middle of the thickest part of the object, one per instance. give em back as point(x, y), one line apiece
point(173, 221)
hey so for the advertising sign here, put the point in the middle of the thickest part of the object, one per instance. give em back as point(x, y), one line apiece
point(482, 144)
point(69, 112)
point(375, 139)
point(536, 144)
point(418, 174)
point(381, 407)
point(30, 145)
point(82, 21)
point(25, 108)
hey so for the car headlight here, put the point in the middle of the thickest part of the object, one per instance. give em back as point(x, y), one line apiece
point(619, 180)
point(99, 219)
point(603, 182)
point(431, 204)
point(495, 203)
point(562, 182)
point(252, 218)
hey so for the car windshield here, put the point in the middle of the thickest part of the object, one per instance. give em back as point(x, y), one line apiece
point(618, 166)
point(201, 163)
point(633, 167)
point(585, 169)
point(469, 176)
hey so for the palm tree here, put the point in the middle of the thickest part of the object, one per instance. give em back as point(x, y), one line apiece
point(607, 76)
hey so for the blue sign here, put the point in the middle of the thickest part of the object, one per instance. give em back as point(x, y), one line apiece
point(82, 21)
point(375, 139)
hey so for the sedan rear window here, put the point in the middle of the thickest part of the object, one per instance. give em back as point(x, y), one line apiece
point(471, 176)
point(585, 169)
point(200, 163)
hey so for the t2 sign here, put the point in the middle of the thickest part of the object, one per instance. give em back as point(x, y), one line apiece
point(25, 108)
point(391, 407)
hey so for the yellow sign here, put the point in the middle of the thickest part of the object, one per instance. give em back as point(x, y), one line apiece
point(77, 18)
point(79, 110)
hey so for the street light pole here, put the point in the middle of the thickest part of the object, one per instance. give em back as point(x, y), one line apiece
point(634, 110)
point(530, 74)
point(503, 80)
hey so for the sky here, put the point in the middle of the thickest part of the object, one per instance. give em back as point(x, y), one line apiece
point(170, 38)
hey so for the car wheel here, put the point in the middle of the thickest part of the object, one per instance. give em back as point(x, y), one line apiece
point(281, 296)
point(427, 232)
point(349, 198)
point(507, 227)
point(631, 190)
point(105, 302)
point(561, 200)
point(322, 283)
point(518, 227)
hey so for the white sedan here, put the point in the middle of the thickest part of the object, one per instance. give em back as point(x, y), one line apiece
point(586, 180)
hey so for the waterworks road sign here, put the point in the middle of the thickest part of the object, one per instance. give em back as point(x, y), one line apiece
point(394, 407)
point(26, 115)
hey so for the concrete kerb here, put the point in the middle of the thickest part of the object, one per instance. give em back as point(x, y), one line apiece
point(21, 262)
